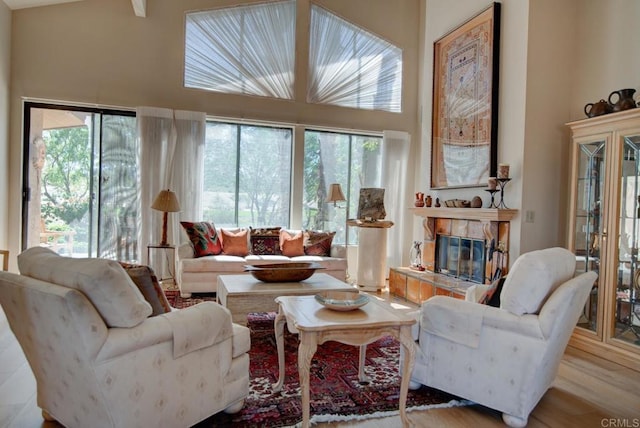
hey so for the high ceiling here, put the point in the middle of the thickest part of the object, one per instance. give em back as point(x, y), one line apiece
point(139, 6)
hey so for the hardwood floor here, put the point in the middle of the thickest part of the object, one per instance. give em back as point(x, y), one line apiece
point(588, 392)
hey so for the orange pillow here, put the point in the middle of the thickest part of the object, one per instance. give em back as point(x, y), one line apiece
point(234, 243)
point(291, 245)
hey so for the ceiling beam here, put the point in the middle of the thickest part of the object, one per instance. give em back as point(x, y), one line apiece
point(140, 8)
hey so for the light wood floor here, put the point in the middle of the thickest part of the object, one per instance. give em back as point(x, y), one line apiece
point(587, 393)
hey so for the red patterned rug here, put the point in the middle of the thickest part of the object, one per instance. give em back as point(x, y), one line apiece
point(336, 393)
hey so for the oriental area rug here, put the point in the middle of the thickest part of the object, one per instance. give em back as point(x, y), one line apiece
point(336, 393)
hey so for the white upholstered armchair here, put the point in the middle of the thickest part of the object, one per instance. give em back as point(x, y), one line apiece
point(100, 361)
point(504, 358)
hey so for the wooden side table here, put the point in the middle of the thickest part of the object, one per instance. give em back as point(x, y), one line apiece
point(171, 263)
point(316, 324)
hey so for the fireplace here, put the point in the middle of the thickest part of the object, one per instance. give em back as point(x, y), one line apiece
point(471, 244)
point(461, 257)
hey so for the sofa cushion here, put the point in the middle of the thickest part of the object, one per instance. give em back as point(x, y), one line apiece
point(219, 263)
point(254, 259)
point(265, 240)
point(330, 263)
point(291, 243)
point(147, 282)
point(533, 278)
point(234, 243)
point(204, 238)
point(318, 243)
point(104, 282)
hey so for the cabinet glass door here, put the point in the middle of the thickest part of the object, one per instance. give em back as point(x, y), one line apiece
point(589, 221)
point(626, 322)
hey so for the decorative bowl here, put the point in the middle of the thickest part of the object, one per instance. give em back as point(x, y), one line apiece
point(283, 272)
point(342, 300)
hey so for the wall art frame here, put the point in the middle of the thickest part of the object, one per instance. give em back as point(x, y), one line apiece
point(464, 130)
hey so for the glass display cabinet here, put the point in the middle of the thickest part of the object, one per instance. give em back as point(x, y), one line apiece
point(604, 231)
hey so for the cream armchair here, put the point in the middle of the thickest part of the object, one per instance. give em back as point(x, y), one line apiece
point(100, 361)
point(504, 358)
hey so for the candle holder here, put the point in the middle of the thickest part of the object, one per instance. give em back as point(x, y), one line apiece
point(493, 192)
point(502, 182)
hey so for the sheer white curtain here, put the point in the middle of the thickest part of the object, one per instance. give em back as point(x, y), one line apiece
point(242, 50)
point(171, 145)
point(188, 165)
point(395, 163)
point(351, 67)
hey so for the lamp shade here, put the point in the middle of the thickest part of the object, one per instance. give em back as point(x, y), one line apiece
point(166, 201)
point(335, 193)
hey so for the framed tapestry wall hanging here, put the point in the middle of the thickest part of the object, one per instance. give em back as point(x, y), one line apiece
point(465, 103)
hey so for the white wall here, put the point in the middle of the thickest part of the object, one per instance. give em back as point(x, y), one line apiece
point(556, 56)
point(552, 40)
point(607, 51)
point(442, 18)
point(5, 59)
point(99, 53)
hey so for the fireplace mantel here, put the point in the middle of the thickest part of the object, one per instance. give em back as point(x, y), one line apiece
point(479, 214)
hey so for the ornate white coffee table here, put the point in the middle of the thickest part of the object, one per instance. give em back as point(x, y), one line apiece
point(316, 324)
point(242, 294)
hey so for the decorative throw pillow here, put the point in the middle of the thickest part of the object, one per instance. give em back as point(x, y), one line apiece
point(318, 243)
point(491, 297)
point(147, 282)
point(265, 241)
point(204, 238)
point(291, 245)
point(234, 243)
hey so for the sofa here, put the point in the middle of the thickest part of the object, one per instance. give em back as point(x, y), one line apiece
point(198, 273)
point(100, 357)
point(504, 357)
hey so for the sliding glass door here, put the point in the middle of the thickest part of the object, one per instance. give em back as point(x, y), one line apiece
point(80, 181)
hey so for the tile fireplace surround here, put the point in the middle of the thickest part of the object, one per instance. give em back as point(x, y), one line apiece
point(469, 229)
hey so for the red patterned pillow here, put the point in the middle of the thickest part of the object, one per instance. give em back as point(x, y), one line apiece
point(204, 238)
point(291, 245)
point(265, 241)
point(318, 243)
point(147, 282)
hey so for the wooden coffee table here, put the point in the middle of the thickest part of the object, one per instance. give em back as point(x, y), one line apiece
point(242, 294)
point(316, 324)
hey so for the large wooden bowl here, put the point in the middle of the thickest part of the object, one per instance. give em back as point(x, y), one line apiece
point(283, 272)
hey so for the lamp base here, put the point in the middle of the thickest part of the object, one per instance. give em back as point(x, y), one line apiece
point(164, 243)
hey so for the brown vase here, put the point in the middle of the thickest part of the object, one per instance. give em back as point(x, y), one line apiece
point(625, 99)
point(419, 199)
point(598, 109)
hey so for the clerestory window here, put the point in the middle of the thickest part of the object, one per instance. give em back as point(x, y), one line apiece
point(250, 50)
point(246, 50)
point(351, 67)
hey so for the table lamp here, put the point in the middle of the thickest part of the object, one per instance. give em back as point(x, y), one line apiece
point(166, 202)
point(335, 194)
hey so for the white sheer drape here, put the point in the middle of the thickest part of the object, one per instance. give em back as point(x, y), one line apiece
point(243, 50)
point(351, 67)
point(395, 163)
point(171, 145)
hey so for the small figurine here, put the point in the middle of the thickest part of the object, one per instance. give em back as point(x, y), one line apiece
point(437, 202)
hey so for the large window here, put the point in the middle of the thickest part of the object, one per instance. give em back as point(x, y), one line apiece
point(351, 67)
point(250, 50)
point(81, 182)
point(247, 175)
point(242, 50)
point(353, 161)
